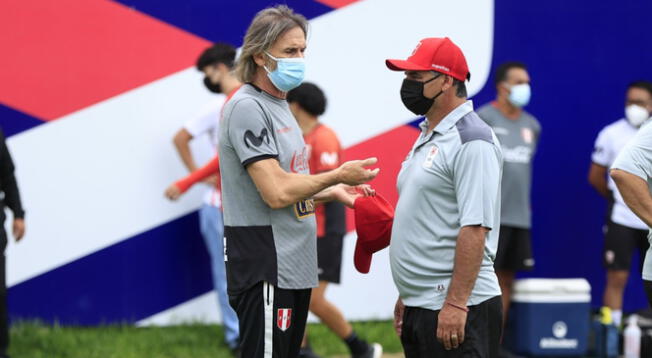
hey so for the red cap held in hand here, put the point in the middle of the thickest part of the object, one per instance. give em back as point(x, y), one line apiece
point(373, 223)
point(435, 54)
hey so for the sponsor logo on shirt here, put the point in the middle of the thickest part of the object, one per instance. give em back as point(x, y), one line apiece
point(284, 318)
point(284, 130)
point(304, 208)
point(519, 154)
point(329, 159)
point(250, 139)
point(299, 162)
point(500, 131)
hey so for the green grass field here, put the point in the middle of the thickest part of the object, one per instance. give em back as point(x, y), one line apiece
point(34, 340)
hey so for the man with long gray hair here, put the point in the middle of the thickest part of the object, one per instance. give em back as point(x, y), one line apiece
point(269, 197)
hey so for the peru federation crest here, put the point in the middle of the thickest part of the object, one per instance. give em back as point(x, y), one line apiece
point(284, 318)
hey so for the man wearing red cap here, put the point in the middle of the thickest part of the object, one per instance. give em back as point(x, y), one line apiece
point(447, 218)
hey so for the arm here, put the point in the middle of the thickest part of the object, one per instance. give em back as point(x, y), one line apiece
point(279, 188)
point(468, 257)
point(210, 169)
point(182, 143)
point(598, 179)
point(636, 194)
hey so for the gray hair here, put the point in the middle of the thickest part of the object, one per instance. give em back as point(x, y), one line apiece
point(268, 25)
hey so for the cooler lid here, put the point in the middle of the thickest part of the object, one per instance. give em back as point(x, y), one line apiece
point(551, 290)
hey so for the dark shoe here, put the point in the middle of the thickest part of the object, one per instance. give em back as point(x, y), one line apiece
point(306, 352)
point(375, 351)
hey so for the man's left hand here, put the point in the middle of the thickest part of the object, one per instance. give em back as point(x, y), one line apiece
point(450, 326)
point(347, 194)
point(19, 229)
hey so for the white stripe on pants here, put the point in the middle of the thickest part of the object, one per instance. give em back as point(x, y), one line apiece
point(268, 302)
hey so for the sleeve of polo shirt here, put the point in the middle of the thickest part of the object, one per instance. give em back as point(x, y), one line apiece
point(251, 133)
point(476, 172)
point(636, 157)
point(602, 153)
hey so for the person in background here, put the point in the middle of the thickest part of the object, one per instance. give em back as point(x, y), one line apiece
point(216, 63)
point(518, 132)
point(307, 102)
point(624, 232)
point(11, 199)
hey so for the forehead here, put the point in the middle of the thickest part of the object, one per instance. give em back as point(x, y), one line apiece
point(294, 37)
point(516, 73)
point(638, 93)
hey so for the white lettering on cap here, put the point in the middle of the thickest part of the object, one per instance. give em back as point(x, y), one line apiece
point(440, 67)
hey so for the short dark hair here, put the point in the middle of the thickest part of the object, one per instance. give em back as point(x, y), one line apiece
point(460, 88)
point(309, 97)
point(503, 69)
point(220, 52)
point(644, 85)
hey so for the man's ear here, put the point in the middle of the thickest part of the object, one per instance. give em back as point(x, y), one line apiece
point(448, 83)
point(259, 58)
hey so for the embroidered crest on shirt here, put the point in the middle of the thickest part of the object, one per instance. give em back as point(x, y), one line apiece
point(527, 135)
point(431, 156)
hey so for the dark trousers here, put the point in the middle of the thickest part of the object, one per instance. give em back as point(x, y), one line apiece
point(272, 320)
point(647, 285)
point(482, 332)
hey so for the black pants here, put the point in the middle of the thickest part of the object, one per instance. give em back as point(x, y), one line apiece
point(482, 332)
point(647, 285)
point(272, 320)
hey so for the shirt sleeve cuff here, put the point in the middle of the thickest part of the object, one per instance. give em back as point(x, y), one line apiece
point(257, 158)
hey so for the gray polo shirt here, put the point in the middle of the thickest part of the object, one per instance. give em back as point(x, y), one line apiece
point(519, 138)
point(636, 158)
point(450, 179)
point(264, 244)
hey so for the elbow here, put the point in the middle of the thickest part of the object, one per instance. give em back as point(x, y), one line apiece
point(616, 175)
point(276, 201)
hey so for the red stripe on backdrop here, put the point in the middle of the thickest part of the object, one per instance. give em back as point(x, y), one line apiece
point(59, 56)
point(336, 4)
point(389, 161)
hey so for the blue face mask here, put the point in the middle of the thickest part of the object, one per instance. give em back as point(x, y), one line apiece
point(519, 95)
point(288, 74)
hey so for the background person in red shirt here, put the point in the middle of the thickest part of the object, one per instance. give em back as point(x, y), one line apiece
point(307, 102)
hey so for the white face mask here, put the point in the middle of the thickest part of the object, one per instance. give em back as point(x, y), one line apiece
point(519, 95)
point(636, 115)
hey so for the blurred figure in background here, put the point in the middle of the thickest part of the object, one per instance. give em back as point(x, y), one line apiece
point(11, 199)
point(216, 63)
point(518, 132)
point(308, 102)
point(624, 232)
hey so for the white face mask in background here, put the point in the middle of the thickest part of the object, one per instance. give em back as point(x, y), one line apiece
point(636, 115)
point(519, 95)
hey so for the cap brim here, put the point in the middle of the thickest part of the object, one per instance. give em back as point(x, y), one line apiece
point(361, 259)
point(403, 65)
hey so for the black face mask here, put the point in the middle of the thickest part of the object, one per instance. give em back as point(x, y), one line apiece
point(215, 88)
point(413, 98)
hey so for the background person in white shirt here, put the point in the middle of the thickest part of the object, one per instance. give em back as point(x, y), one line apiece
point(625, 233)
point(217, 64)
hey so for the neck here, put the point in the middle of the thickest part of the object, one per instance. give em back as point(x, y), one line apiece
point(436, 114)
point(307, 123)
point(264, 83)
point(230, 84)
point(507, 108)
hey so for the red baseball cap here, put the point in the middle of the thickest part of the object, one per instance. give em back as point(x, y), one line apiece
point(373, 223)
point(435, 54)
